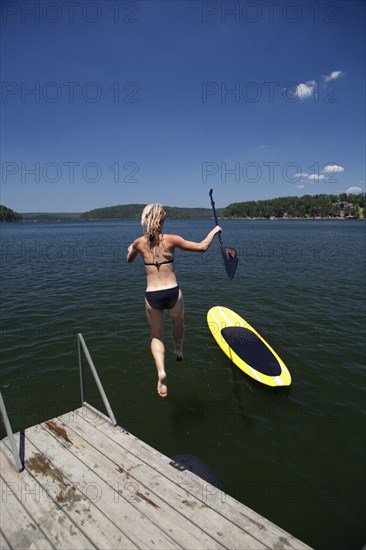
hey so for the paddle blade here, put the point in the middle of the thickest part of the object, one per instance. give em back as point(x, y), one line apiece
point(230, 258)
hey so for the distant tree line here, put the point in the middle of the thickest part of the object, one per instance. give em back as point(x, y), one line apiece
point(308, 206)
point(51, 216)
point(8, 215)
point(134, 211)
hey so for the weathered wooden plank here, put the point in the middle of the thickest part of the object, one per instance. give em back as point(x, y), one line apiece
point(102, 532)
point(88, 444)
point(236, 512)
point(17, 526)
point(60, 529)
point(189, 513)
point(3, 543)
point(100, 495)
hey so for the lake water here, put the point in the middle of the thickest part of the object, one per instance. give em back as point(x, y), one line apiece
point(295, 455)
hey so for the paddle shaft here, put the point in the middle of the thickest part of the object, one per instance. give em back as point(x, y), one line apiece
point(215, 216)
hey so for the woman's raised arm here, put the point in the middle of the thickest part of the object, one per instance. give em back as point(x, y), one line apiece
point(192, 246)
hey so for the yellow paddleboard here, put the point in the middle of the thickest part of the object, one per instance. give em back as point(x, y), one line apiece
point(246, 348)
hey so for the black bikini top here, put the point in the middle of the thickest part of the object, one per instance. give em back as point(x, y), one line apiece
point(158, 264)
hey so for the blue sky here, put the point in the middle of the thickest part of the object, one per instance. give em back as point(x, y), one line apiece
point(109, 102)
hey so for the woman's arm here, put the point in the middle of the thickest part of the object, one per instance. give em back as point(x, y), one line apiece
point(181, 243)
point(132, 251)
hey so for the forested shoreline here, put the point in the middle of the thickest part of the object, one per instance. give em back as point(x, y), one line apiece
point(308, 206)
point(133, 212)
point(343, 206)
point(9, 215)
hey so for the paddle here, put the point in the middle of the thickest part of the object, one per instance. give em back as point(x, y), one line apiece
point(229, 254)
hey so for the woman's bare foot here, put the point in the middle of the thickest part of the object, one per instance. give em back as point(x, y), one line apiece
point(162, 385)
point(178, 354)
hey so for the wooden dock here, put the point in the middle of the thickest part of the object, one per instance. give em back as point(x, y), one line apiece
point(88, 484)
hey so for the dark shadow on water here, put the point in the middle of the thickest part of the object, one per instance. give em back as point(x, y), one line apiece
point(252, 400)
point(248, 401)
point(240, 380)
point(194, 464)
point(186, 409)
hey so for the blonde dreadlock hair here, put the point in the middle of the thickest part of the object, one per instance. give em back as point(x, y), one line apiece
point(151, 219)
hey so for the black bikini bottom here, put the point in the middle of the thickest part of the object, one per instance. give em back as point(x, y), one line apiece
point(163, 299)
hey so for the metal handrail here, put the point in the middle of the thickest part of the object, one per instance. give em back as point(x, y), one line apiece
point(84, 352)
point(14, 455)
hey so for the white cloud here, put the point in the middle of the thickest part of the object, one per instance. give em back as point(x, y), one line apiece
point(299, 186)
point(333, 169)
point(354, 189)
point(333, 76)
point(301, 175)
point(305, 90)
point(316, 177)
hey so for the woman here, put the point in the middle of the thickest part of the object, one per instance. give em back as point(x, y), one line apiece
point(162, 291)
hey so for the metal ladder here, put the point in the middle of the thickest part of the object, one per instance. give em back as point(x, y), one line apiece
point(14, 455)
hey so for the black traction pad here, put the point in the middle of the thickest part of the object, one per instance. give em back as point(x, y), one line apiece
point(252, 350)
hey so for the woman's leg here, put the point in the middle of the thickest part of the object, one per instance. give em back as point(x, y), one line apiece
point(155, 319)
point(177, 314)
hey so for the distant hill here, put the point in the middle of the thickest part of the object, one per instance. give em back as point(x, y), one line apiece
point(308, 206)
point(9, 215)
point(50, 216)
point(133, 212)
